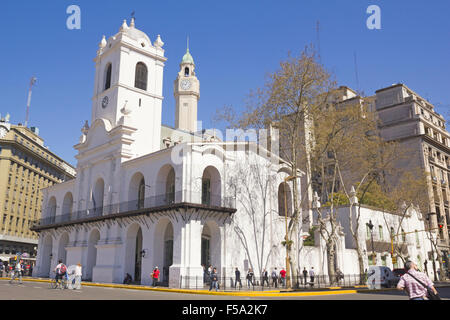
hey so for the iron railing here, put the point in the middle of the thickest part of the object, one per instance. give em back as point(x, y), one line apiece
point(266, 284)
point(166, 199)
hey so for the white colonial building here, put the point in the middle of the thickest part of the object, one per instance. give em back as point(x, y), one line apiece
point(148, 195)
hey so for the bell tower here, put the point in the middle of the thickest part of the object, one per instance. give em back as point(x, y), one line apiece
point(128, 81)
point(187, 93)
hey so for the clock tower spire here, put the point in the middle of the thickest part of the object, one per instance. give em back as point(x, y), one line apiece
point(187, 93)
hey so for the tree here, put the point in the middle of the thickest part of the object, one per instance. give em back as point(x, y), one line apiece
point(291, 98)
point(252, 185)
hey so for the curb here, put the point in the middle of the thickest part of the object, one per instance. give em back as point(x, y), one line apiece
point(272, 293)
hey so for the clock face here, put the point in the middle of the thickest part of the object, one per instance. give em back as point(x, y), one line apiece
point(185, 84)
point(105, 101)
point(3, 132)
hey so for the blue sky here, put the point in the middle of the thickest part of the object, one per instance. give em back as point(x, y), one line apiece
point(235, 44)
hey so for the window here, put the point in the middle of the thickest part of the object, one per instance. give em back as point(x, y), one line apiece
point(141, 76)
point(417, 238)
point(380, 231)
point(108, 76)
point(186, 72)
point(403, 235)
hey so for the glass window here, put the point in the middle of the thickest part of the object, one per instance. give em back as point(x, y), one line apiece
point(108, 76)
point(380, 231)
point(141, 76)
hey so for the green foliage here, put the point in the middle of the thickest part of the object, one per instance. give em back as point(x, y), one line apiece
point(339, 199)
point(310, 240)
point(375, 197)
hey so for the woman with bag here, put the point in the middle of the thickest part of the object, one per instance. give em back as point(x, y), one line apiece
point(417, 284)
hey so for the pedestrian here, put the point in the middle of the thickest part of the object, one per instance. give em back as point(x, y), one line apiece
point(275, 278)
point(78, 274)
point(415, 283)
point(265, 277)
point(339, 275)
point(214, 279)
point(249, 278)
point(60, 270)
point(305, 275)
point(1, 268)
point(17, 272)
point(283, 277)
point(127, 279)
point(155, 276)
point(237, 279)
point(311, 276)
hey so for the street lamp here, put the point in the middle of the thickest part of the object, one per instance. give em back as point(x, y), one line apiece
point(431, 241)
point(288, 268)
point(370, 225)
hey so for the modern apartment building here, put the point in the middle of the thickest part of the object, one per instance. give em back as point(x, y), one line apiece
point(26, 166)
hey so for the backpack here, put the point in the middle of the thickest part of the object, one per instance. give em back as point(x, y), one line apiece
point(62, 269)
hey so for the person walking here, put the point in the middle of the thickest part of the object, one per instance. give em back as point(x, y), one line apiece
point(78, 274)
point(305, 275)
point(415, 283)
point(283, 277)
point(17, 272)
point(60, 270)
point(265, 277)
point(339, 275)
point(275, 278)
point(249, 278)
point(214, 279)
point(311, 276)
point(237, 279)
point(155, 276)
point(1, 268)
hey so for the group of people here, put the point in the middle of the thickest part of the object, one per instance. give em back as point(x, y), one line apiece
point(26, 269)
point(73, 278)
point(277, 277)
point(211, 276)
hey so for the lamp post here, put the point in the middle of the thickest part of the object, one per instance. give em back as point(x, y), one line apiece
point(431, 241)
point(370, 225)
point(288, 268)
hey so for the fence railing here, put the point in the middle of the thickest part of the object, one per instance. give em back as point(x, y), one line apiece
point(265, 284)
point(139, 204)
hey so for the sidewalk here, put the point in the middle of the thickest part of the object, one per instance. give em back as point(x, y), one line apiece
point(269, 293)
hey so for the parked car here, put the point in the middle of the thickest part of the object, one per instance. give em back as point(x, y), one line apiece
point(381, 277)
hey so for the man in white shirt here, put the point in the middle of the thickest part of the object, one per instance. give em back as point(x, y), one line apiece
point(311, 276)
point(60, 271)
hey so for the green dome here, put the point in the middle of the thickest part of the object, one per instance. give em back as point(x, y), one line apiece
point(187, 58)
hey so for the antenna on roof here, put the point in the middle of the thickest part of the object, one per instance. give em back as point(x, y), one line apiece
point(358, 89)
point(32, 82)
point(318, 39)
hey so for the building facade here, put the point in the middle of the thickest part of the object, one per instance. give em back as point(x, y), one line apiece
point(411, 120)
point(26, 166)
point(148, 195)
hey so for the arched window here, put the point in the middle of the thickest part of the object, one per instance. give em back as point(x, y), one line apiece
point(108, 76)
point(141, 194)
point(141, 76)
point(186, 72)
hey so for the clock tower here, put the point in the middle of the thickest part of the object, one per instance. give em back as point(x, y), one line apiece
point(187, 93)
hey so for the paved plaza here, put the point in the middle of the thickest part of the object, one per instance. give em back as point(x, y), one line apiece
point(41, 291)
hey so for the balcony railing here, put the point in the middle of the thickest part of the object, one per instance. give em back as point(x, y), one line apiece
point(141, 204)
